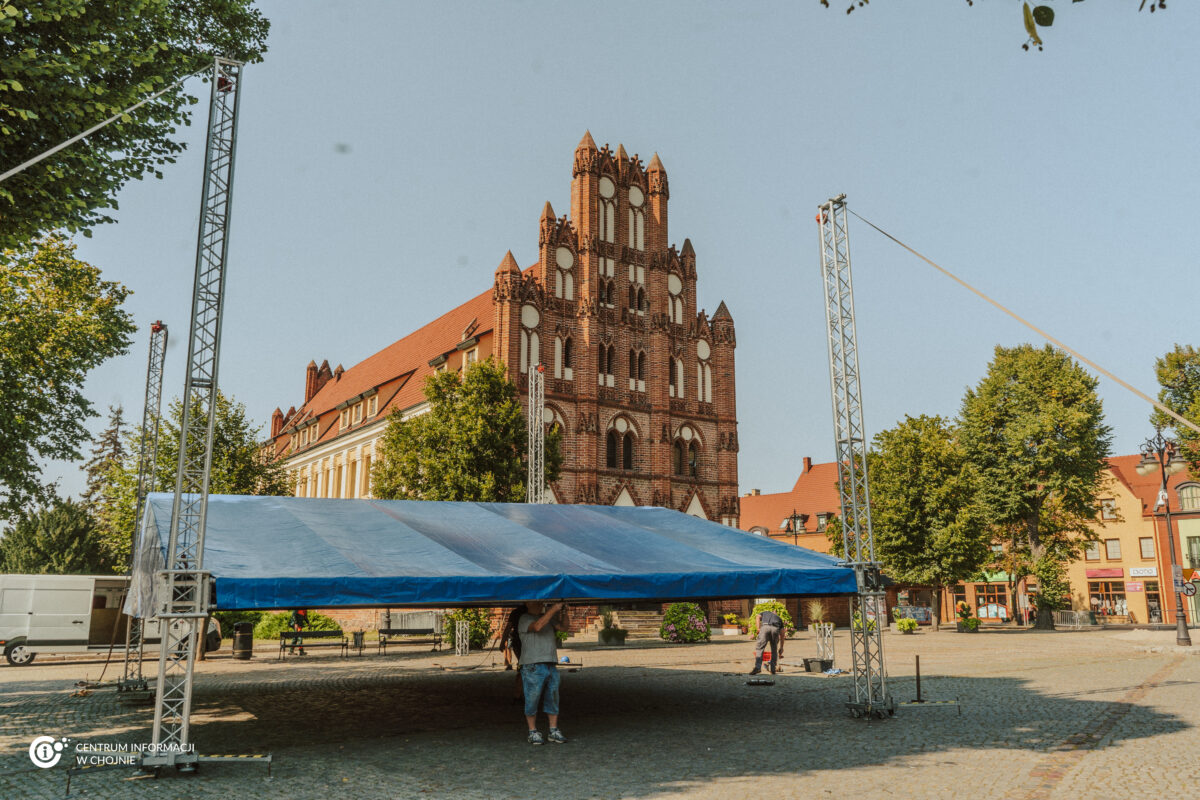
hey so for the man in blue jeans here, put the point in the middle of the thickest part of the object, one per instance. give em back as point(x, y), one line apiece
point(539, 666)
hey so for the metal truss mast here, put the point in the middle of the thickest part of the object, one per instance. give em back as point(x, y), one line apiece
point(183, 588)
point(535, 483)
point(131, 676)
point(868, 611)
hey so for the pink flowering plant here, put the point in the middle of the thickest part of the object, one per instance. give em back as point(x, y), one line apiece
point(684, 622)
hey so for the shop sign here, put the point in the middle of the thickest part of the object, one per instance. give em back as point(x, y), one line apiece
point(1109, 572)
point(1133, 586)
point(1143, 572)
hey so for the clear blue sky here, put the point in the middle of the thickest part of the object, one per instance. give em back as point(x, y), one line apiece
point(390, 153)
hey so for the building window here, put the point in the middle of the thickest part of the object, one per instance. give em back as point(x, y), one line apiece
point(1092, 553)
point(358, 413)
point(1147, 546)
point(1108, 509)
point(671, 383)
point(641, 301)
point(607, 267)
point(822, 521)
point(562, 359)
point(608, 221)
point(531, 350)
point(675, 299)
point(1112, 549)
point(759, 531)
point(610, 459)
point(372, 405)
point(637, 219)
point(989, 593)
point(1189, 497)
point(637, 371)
point(1107, 598)
point(627, 451)
point(469, 358)
point(344, 419)
point(607, 365)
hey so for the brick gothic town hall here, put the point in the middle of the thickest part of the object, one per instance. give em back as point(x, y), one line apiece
point(640, 380)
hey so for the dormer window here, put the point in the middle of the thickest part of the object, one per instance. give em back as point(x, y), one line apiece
point(372, 405)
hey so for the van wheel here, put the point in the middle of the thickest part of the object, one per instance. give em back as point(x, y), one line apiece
point(19, 655)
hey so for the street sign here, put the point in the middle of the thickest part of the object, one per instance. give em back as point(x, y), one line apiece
point(1178, 585)
point(1189, 589)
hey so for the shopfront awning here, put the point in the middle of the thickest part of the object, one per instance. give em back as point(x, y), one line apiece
point(288, 552)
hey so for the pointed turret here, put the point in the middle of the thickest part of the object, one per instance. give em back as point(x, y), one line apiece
point(687, 249)
point(587, 143)
point(656, 165)
point(548, 212)
point(722, 313)
point(508, 266)
point(622, 156)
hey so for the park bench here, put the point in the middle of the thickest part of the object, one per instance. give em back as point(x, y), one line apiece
point(307, 639)
point(413, 627)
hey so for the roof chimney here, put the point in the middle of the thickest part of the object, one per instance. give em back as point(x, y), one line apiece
point(807, 465)
point(276, 422)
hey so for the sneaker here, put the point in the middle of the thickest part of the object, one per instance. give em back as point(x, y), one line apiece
point(535, 737)
point(556, 736)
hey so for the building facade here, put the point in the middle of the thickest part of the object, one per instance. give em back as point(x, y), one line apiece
point(639, 379)
point(1123, 578)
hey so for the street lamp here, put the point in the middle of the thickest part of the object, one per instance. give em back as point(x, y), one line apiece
point(794, 523)
point(1163, 454)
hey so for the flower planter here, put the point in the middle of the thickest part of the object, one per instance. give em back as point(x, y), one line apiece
point(612, 636)
point(964, 628)
point(730, 630)
point(818, 664)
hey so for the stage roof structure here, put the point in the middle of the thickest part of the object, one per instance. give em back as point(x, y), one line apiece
point(289, 552)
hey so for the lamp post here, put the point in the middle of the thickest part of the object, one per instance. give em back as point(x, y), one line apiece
point(795, 524)
point(1163, 454)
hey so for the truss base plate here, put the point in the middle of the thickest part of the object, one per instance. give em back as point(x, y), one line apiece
point(869, 711)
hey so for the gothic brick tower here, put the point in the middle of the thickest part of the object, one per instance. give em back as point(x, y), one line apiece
point(640, 380)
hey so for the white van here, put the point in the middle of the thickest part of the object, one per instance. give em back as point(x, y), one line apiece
point(68, 614)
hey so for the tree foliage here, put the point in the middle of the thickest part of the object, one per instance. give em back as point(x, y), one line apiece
point(58, 539)
point(58, 320)
point(238, 467)
point(469, 446)
point(929, 529)
point(1034, 429)
point(107, 451)
point(66, 65)
point(1178, 374)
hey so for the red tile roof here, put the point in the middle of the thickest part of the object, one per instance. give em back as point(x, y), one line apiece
point(398, 371)
point(815, 492)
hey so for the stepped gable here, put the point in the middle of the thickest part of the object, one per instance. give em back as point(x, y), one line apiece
point(1145, 487)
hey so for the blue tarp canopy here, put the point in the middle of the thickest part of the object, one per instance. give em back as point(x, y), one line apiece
point(289, 552)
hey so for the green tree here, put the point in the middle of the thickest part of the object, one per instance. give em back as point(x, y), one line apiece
point(107, 451)
point(58, 320)
point(238, 467)
point(58, 539)
point(928, 527)
point(1178, 374)
point(469, 446)
point(1034, 430)
point(67, 65)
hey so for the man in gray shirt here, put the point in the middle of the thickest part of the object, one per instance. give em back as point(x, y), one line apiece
point(539, 666)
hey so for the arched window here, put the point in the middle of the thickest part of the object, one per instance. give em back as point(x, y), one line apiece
point(632, 298)
point(675, 378)
point(627, 451)
point(641, 301)
point(607, 365)
point(637, 218)
point(641, 372)
point(610, 459)
point(568, 357)
point(693, 464)
point(531, 347)
point(685, 453)
point(671, 383)
point(703, 382)
point(675, 299)
point(677, 457)
point(632, 369)
point(608, 221)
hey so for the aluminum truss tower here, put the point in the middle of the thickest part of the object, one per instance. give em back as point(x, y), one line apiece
point(868, 611)
point(183, 589)
point(535, 483)
point(131, 677)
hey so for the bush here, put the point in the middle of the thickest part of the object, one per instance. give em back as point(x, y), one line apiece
point(269, 626)
point(228, 619)
point(857, 623)
point(776, 606)
point(816, 611)
point(906, 625)
point(480, 627)
point(971, 623)
point(684, 622)
point(731, 619)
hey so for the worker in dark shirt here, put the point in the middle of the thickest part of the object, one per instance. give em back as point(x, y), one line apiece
point(770, 627)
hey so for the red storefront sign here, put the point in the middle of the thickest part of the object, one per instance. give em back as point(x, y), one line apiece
point(1110, 572)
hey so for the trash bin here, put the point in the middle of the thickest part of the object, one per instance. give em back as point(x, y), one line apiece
point(243, 640)
point(359, 640)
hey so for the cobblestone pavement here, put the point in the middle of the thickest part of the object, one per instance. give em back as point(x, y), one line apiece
point(1042, 715)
